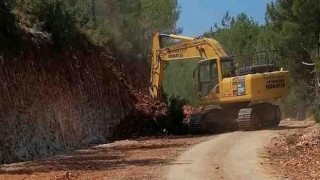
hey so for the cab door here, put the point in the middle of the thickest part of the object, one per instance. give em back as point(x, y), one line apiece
point(208, 78)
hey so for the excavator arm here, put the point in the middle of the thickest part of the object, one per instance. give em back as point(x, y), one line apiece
point(187, 48)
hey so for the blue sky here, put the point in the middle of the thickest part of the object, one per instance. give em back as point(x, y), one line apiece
point(197, 16)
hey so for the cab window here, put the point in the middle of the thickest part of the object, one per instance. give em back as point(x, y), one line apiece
point(208, 77)
point(228, 68)
point(205, 73)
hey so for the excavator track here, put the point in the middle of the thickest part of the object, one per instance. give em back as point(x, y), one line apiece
point(194, 123)
point(204, 122)
point(247, 120)
point(207, 121)
point(244, 119)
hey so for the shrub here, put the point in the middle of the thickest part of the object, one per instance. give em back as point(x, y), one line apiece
point(10, 35)
point(58, 19)
point(174, 122)
point(316, 110)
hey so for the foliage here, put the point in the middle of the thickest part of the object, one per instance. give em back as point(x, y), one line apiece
point(134, 22)
point(174, 120)
point(124, 25)
point(316, 111)
point(55, 18)
point(297, 102)
point(10, 35)
point(238, 35)
point(297, 23)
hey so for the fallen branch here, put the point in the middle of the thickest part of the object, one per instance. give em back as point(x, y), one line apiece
point(308, 64)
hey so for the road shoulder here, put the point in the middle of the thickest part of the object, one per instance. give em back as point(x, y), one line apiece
point(294, 153)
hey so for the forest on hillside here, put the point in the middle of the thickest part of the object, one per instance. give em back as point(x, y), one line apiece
point(126, 28)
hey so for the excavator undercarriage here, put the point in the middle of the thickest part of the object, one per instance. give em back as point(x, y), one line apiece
point(235, 117)
point(259, 116)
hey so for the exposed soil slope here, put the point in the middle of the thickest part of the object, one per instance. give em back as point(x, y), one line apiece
point(52, 101)
point(295, 152)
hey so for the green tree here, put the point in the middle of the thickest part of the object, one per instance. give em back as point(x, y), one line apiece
point(63, 19)
point(134, 22)
point(238, 35)
point(10, 35)
point(125, 26)
point(297, 25)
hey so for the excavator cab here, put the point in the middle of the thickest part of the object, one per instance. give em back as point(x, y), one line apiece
point(211, 72)
point(210, 76)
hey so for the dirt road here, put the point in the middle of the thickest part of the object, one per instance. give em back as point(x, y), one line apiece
point(227, 156)
point(236, 155)
point(122, 160)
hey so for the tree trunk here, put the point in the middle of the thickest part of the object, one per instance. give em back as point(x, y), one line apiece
point(94, 18)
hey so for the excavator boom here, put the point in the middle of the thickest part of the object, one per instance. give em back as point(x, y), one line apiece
point(188, 48)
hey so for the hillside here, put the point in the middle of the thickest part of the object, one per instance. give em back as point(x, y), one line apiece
point(55, 101)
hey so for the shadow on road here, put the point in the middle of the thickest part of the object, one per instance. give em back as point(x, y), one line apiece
point(94, 159)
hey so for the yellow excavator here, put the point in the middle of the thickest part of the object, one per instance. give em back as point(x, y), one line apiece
point(232, 94)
